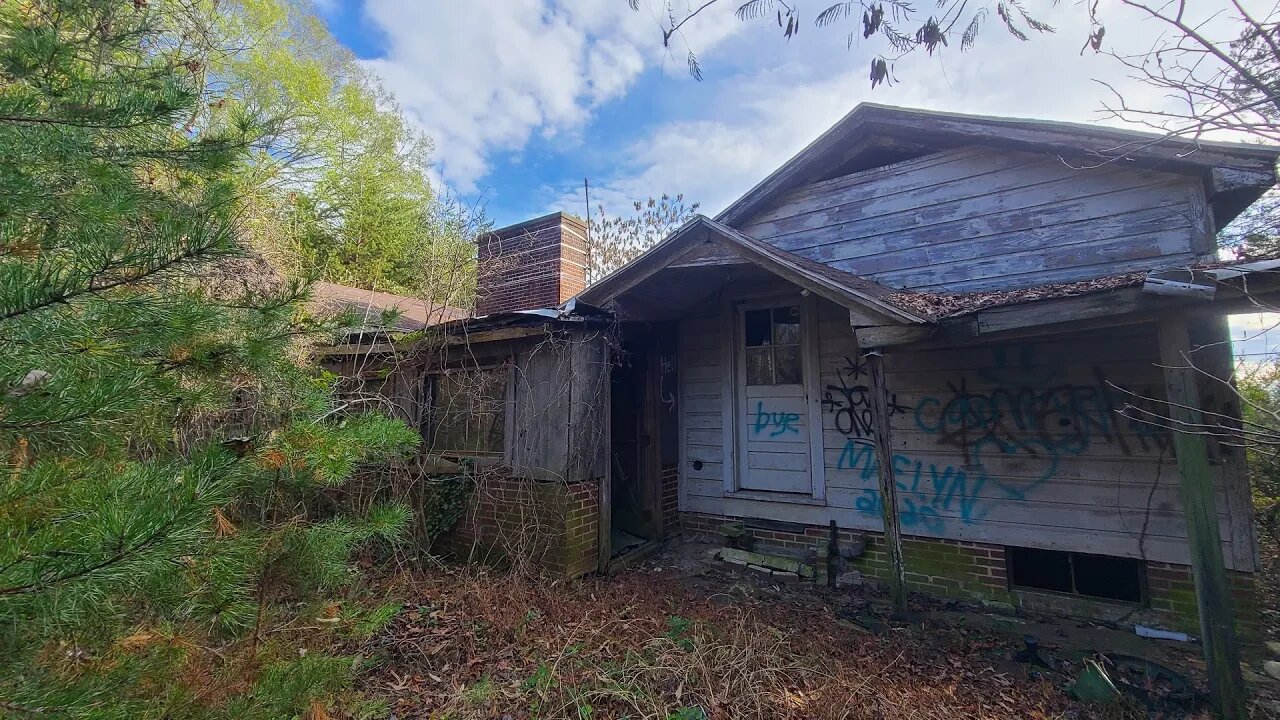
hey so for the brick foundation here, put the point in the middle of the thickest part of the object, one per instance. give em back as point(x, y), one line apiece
point(978, 572)
point(670, 488)
point(508, 520)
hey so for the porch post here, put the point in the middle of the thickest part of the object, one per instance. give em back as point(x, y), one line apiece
point(1213, 594)
point(604, 519)
point(888, 483)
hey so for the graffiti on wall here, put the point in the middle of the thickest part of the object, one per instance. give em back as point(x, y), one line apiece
point(1022, 415)
point(849, 401)
point(774, 423)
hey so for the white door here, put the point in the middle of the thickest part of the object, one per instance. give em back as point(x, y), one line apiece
point(773, 416)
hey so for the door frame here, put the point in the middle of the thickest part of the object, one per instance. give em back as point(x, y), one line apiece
point(734, 391)
point(641, 340)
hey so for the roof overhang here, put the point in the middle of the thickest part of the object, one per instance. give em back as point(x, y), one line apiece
point(1224, 289)
point(867, 297)
point(1234, 174)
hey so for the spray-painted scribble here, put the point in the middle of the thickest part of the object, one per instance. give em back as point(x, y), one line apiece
point(774, 423)
point(666, 380)
point(926, 491)
point(850, 401)
point(1024, 414)
point(1045, 424)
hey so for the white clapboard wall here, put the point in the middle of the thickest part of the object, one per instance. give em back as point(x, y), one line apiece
point(1012, 443)
point(978, 218)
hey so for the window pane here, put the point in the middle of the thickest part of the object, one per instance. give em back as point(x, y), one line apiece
point(759, 366)
point(468, 416)
point(786, 325)
point(787, 365)
point(756, 331)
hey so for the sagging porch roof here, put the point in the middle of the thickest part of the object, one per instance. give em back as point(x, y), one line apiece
point(843, 288)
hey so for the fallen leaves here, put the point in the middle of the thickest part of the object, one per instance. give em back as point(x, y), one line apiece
point(643, 645)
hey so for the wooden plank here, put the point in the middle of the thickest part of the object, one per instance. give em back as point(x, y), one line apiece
point(776, 480)
point(1023, 208)
point(1018, 185)
point(927, 175)
point(1094, 306)
point(888, 484)
point(777, 461)
point(1213, 593)
point(604, 521)
point(886, 335)
point(812, 339)
point(728, 394)
point(651, 464)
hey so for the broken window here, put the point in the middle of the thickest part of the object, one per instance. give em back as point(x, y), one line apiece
point(1099, 576)
point(772, 338)
point(466, 412)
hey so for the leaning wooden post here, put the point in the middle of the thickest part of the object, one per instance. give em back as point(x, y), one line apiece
point(888, 483)
point(1213, 595)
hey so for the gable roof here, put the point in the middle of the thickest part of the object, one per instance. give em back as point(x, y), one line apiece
point(873, 135)
point(415, 313)
point(842, 288)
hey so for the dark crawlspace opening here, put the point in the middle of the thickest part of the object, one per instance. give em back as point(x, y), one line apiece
point(1099, 576)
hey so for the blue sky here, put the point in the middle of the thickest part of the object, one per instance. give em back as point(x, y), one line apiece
point(525, 98)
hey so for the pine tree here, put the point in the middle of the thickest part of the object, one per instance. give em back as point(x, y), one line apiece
point(164, 440)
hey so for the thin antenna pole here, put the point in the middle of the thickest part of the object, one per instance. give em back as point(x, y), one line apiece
point(586, 194)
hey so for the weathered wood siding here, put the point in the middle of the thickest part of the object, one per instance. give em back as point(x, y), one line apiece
point(704, 399)
point(1015, 443)
point(977, 218)
point(557, 413)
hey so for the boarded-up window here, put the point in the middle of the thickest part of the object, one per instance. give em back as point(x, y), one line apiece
point(467, 410)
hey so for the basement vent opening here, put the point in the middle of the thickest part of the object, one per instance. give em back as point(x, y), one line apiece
point(1096, 576)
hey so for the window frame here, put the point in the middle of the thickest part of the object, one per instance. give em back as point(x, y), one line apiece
point(773, 346)
point(427, 423)
point(1144, 589)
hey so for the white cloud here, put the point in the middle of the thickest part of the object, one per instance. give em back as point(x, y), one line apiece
point(484, 76)
point(782, 96)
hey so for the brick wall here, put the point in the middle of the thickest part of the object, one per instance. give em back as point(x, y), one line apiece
point(512, 521)
point(670, 487)
point(978, 572)
point(536, 264)
point(1172, 592)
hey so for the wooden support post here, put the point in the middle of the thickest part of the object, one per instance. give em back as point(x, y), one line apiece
point(888, 483)
point(604, 521)
point(1213, 594)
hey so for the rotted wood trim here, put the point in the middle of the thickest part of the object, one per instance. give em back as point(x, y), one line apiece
point(888, 483)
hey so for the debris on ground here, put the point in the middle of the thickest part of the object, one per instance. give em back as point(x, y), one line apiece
point(1158, 634)
point(711, 643)
point(1093, 685)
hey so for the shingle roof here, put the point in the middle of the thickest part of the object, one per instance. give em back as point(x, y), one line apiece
point(415, 313)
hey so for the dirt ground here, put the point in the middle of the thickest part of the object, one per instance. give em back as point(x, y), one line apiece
point(681, 636)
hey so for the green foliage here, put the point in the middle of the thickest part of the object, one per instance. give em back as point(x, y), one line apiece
point(372, 621)
point(170, 462)
point(287, 688)
point(342, 189)
point(444, 501)
point(1259, 390)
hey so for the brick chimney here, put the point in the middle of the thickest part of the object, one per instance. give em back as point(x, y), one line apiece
point(535, 264)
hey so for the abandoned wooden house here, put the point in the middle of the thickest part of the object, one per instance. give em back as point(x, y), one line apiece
point(944, 349)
